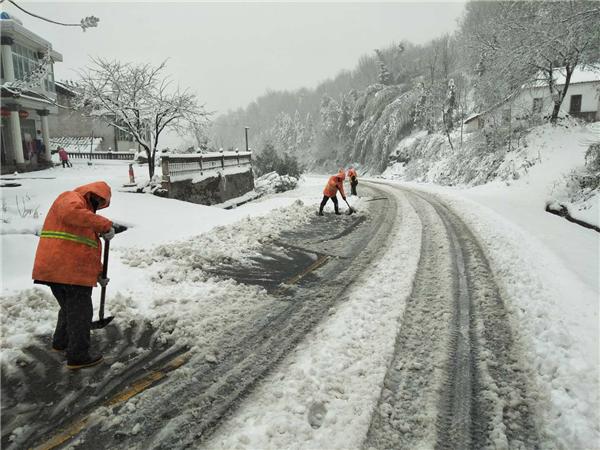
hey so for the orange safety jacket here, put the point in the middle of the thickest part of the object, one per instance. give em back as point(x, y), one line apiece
point(334, 184)
point(69, 249)
point(352, 173)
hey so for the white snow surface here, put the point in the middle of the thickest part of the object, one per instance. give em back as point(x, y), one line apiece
point(547, 270)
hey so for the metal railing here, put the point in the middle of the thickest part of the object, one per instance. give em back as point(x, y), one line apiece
point(181, 167)
point(121, 156)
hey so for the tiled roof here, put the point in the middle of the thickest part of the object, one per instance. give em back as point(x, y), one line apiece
point(81, 144)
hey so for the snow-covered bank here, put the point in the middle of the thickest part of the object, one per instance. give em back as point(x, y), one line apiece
point(541, 166)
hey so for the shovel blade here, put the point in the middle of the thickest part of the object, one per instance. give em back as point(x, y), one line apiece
point(101, 323)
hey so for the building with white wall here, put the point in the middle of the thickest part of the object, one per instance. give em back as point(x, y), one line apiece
point(533, 104)
point(24, 109)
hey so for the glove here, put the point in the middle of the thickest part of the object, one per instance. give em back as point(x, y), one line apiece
point(119, 228)
point(103, 281)
point(344, 198)
point(109, 234)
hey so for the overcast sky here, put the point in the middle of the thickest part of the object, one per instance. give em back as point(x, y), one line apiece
point(230, 53)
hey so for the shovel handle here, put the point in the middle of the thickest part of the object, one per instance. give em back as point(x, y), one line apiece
point(104, 275)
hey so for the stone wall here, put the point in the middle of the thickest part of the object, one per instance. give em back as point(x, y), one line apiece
point(212, 190)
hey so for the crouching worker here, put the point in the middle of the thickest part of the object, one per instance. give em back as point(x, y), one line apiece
point(334, 184)
point(353, 180)
point(68, 260)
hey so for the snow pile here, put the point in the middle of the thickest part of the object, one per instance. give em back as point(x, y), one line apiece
point(222, 245)
point(272, 182)
point(28, 313)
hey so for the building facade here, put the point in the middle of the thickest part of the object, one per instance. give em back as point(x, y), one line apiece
point(70, 124)
point(533, 104)
point(25, 108)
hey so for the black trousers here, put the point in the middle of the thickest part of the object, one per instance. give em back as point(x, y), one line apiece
point(67, 163)
point(74, 320)
point(353, 183)
point(333, 199)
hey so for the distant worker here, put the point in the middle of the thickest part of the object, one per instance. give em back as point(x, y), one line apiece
point(68, 261)
point(64, 157)
point(334, 184)
point(131, 174)
point(353, 180)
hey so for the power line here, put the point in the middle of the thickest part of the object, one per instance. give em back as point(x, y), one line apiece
point(87, 22)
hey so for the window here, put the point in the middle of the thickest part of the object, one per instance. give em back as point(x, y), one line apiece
point(537, 105)
point(49, 81)
point(24, 61)
point(575, 106)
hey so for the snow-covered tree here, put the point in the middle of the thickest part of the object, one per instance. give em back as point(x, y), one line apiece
point(138, 99)
point(384, 76)
point(512, 41)
point(450, 105)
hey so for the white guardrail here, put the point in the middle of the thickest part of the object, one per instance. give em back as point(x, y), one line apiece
point(180, 167)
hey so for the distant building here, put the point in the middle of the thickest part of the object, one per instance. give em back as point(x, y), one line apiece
point(533, 103)
point(24, 131)
point(73, 126)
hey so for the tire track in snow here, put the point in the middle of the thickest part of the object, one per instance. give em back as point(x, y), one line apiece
point(455, 379)
point(195, 404)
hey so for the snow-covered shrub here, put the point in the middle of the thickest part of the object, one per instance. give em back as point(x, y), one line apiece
point(429, 158)
point(581, 185)
point(273, 183)
point(269, 161)
point(592, 158)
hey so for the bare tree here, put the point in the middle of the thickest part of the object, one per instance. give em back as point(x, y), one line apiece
point(137, 99)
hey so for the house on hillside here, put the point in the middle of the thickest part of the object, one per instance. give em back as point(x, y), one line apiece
point(71, 126)
point(25, 107)
point(533, 104)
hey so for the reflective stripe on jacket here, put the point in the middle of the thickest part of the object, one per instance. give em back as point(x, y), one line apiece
point(69, 237)
point(334, 184)
point(69, 250)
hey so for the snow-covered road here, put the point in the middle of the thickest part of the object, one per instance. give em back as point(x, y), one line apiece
point(399, 327)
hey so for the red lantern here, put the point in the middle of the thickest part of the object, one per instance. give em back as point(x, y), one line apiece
point(4, 112)
point(23, 114)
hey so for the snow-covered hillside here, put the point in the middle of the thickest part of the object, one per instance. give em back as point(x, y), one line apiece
point(541, 166)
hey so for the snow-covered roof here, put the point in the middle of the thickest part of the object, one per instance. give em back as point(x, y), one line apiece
point(69, 90)
point(585, 74)
point(472, 117)
point(76, 144)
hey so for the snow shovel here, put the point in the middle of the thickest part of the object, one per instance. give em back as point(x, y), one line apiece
point(351, 210)
point(103, 321)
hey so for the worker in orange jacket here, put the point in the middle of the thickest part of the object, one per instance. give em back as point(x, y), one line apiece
point(68, 259)
point(353, 180)
point(334, 184)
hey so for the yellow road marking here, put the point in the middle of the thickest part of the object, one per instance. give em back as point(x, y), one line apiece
point(321, 260)
point(136, 387)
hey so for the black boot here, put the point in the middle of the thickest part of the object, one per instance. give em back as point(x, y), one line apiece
point(88, 361)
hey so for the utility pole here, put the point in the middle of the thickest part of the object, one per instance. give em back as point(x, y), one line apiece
point(246, 130)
